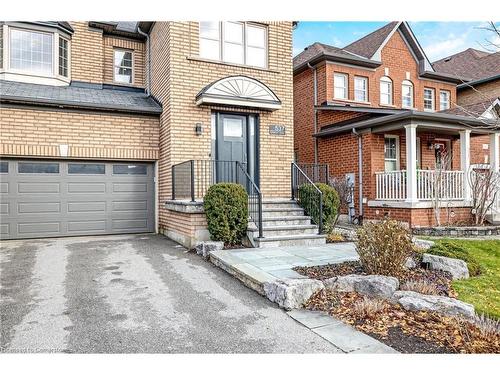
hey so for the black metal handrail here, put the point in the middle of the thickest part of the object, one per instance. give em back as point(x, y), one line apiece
point(315, 172)
point(312, 205)
point(254, 197)
point(192, 178)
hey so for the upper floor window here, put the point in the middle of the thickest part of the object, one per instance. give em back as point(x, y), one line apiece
point(428, 99)
point(444, 100)
point(385, 91)
point(407, 94)
point(361, 89)
point(234, 42)
point(340, 85)
point(35, 54)
point(123, 66)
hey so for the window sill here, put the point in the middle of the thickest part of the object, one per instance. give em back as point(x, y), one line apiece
point(7, 75)
point(201, 59)
point(387, 105)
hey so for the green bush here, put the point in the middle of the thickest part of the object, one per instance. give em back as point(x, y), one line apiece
point(331, 202)
point(450, 249)
point(384, 247)
point(226, 209)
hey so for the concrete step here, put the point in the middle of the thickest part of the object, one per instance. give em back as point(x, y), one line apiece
point(278, 212)
point(295, 240)
point(279, 203)
point(493, 219)
point(286, 230)
point(285, 220)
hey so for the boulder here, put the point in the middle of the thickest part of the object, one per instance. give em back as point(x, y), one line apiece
point(457, 267)
point(423, 244)
point(371, 285)
point(204, 248)
point(445, 305)
point(410, 263)
point(291, 293)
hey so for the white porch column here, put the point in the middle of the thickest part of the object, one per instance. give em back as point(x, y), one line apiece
point(411, 163)
point(495, 151)
point(465, 160)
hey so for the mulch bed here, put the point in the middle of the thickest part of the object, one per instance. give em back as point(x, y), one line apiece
point(406, 331)
point(441, 279)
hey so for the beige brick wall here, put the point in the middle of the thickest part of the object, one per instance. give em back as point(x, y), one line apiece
point(39, 132)
point(139, 58)
point(86, 53)
point(479, 93)
point(179, 75)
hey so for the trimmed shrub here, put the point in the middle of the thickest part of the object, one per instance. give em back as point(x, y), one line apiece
point(331, 203)
point(384, 247)
point(226, 209)
point(450, 249)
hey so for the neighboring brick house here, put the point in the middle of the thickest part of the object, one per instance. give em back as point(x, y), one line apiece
point(367, 108)
point(95, 116)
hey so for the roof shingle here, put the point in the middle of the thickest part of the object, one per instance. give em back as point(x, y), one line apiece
point(470, 65)
point(369, 44)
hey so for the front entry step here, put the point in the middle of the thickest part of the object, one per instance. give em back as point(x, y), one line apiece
point(285, 224)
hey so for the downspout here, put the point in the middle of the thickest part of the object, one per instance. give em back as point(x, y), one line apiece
point(148, 86)
point(360, 169)
point(315, 103)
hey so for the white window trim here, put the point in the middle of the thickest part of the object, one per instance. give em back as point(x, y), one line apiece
point(433, 99)
point(365, 79)
point(131, 83)
point(408, 83)
point(398, 157)
point(345, 88)
point(55, 79)
point(386, 79)
point(448, 95)
point(245, 45)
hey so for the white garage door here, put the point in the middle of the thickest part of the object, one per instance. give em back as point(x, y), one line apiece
point(51, 198)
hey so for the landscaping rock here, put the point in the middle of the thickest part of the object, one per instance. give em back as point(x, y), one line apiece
point(371, 285)
point(204, 248)
point(410, 263)
point(445, 305)
point(456, 267)
point(291, 293)
point(423, 244)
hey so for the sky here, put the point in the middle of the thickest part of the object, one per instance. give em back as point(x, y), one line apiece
point(438, 39)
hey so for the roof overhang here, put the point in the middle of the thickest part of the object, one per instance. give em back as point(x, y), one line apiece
point(426, 119)
point(340, 58)
point(111, 28)
point(441, 77)
point(239, 91)
point(466, 85)
point(332, 106)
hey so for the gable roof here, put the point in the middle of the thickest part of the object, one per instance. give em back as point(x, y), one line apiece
point(470, 65)
point(78, 97)
point(369, 44)
point(474, 110)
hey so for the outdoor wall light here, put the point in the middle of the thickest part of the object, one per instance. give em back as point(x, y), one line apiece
point(198, 129)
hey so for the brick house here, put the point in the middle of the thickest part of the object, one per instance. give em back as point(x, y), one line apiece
point(368, 108)
point(103, 124)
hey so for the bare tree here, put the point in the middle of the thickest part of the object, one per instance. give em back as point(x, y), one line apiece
point(492, 44)
point(485, 187)
point(439, 191)
point(344, 190)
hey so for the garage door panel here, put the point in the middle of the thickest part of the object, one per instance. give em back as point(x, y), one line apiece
point(61, 204)
point(40, 207)
point(81, 207)
point(38, 187)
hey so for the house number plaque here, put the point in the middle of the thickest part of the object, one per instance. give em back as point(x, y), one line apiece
point(277, 129)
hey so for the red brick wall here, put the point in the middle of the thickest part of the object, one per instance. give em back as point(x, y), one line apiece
point(420, 217)
point(303, 116)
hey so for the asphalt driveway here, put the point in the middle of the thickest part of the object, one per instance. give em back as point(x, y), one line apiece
point(134, 293)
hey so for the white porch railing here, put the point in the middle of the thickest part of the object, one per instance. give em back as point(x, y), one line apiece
point(391, 186)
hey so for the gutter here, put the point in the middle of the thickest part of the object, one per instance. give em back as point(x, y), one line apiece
point(315, 103)
point(148, 88)
point(477, 82)
point(360, 172)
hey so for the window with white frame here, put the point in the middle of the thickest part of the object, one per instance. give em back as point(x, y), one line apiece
point(391, 153)
point(385, 91)
point(242, 43)
point(407, 94)
point(361, 89)
point(340, 86)
point(444, 100)
point(33, 53)
point(428, 99)
point(123, 66)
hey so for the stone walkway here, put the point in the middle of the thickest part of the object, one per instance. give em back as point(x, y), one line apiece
point(256, 266)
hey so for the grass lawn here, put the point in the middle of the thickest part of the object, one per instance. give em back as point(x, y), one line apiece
point(482, 291)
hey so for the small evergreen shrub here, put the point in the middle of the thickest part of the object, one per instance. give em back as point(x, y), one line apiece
point(383, 247)
point(450, 249)
point(226, 209)
point(331, 202)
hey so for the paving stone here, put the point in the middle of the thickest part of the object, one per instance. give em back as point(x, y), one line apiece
point(311, 319)
point(286, 274)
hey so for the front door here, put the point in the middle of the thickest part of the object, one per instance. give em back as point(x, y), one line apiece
point(235, 141)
